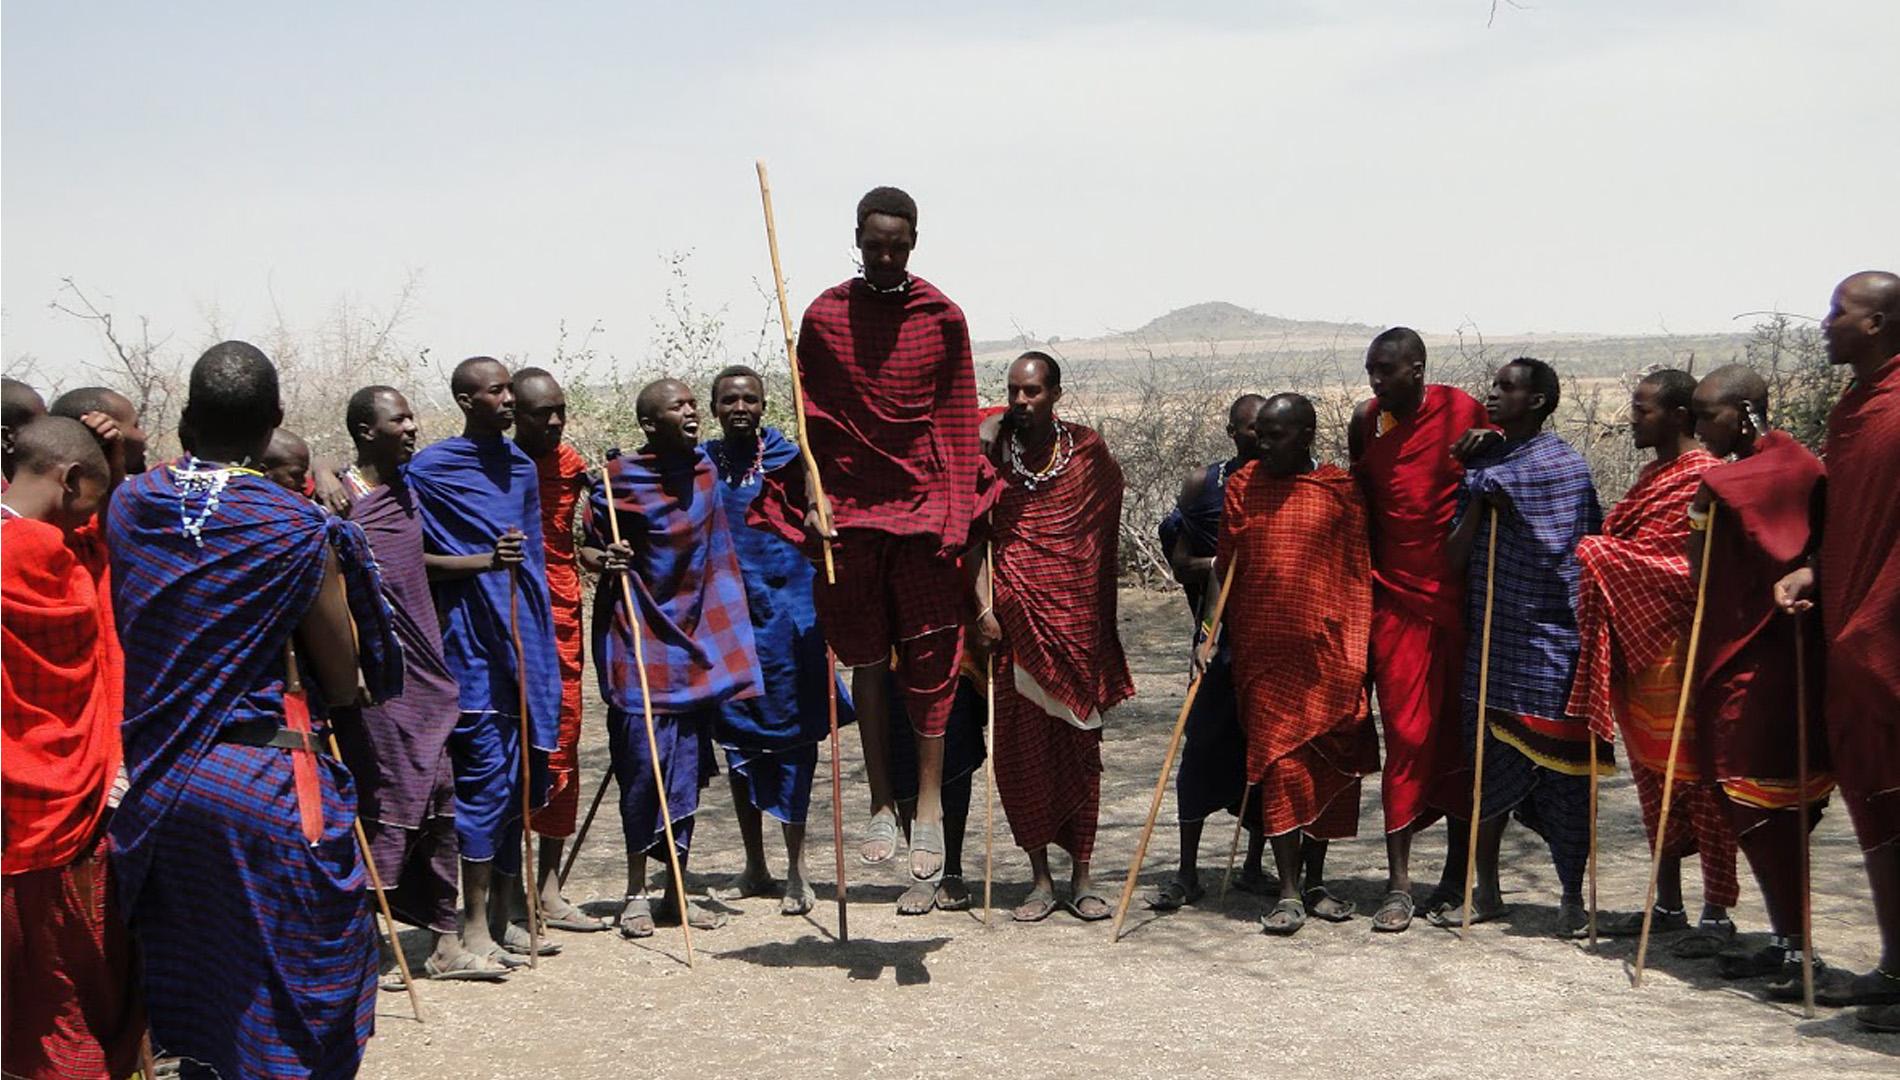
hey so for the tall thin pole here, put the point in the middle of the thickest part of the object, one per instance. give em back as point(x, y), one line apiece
point(989, 743)
point(1484, 690)
point(1801, 782)
point(532, 896)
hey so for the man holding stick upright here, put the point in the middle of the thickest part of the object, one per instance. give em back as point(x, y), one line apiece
point(1745, 696)
point(695, 638)
point(891, 417)
point(1858, 584)
point(1635, 605)
point(1536, 760)
point(1059, 663)
point(481, 523)
point(1400, 441)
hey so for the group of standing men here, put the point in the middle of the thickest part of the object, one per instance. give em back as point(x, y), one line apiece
point(183, 639)
point(1484, 530)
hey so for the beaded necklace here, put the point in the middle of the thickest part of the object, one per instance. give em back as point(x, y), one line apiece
point(1061, 450)
point(752, 473)
point(207, 481)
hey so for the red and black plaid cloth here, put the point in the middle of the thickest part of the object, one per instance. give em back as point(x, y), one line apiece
point(564, 480)
point(890, 404)
point(1634, 596)
point(1299, 617)
point(1055, 548)
point(62, 677)
point(1860, 601)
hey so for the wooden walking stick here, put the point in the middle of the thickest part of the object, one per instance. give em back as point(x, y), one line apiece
point(816, 483)
point(1801, 781)
point(1233, 848)
point(148, 1064)
point(382, 901)
point(1592, 737)
point(1167, 761)
point(1484, 690)
point(531, 895)
point(989, 744)
point(1675, 745)
point(587, 822)
point(646, 712)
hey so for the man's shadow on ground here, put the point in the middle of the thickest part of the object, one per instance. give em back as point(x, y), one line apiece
point(861, 959)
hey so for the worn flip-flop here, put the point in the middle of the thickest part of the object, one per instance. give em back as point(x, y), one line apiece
point(699, 918)
point(798, 900)
point(1317, 900)
point(1707, 941)
point(919, 899)
point(926, 837)
point(575, 921)
point(1767, 960)
point(883, 829)
point(636, 917)
point(466, 967)
point(953, 894)
point(1074, 904)
point(1285, 919)
point(517, 940)
point(1839, 989)
point(1175, 894)
point(1451, 916)
point(1626, 924)
point(1395, 913)
point(1039, 903)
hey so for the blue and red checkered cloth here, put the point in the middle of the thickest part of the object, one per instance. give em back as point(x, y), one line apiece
point(695, 629)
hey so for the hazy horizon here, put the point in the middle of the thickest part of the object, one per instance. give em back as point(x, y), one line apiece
point(1081, 168)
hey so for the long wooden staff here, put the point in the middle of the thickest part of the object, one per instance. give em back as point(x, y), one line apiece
point(1233, 846)
point(989, 743)
point(646, 712)
point(1801, 780)
point(1675, 745)
point(1593, 838)
point(817, 484)
point(1174, 746)
point(1484, 690)
point(531, 894)
point(587, 822)
point(812, 476)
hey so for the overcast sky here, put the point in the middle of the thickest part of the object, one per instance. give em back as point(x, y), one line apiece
point(1613, 165)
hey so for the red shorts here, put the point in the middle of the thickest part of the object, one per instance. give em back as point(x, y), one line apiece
point(894, 593)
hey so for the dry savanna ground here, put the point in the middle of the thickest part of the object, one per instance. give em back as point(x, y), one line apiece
point(1195, 993)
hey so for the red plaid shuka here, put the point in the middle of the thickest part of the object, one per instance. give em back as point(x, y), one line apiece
point(890, 404)
point(1634, 596)
point(695, 628)
point(63, 679)
point(564, 479)
point(1055, 552)
point(1300, 616)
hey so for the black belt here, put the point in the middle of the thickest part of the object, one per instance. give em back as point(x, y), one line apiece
point(271, 733)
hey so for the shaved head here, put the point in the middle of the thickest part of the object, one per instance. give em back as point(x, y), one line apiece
point(1736, 384)
point(19, 403)
point(1862, 326)
point(51, 443)
point(77, 403)
point(656, 396)
point(473, 373)
point(1292, 409)
point(1244, 409)
point(1033, 360)
point(286, 445)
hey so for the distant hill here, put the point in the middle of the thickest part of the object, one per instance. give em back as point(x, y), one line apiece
point(1218, 320)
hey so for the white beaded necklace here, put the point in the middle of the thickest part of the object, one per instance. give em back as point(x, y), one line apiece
point(194, 477)
point(1061, 451)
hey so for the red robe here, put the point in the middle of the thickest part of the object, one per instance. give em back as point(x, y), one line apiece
point(1299, 617)
point(1744, 696)
point(1055, 549)
point(1411, 486)
point(564, 479)
point(71, 1007)
point(1860, 601)
point(1634, 597)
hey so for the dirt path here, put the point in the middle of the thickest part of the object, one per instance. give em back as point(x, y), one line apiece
point(1197, 993)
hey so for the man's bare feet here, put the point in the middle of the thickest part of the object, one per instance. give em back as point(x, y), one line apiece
point(919, 899)
point(698, 916)
point(926, 850)
point(562, 914)
point(636, 917)
point(953, 894)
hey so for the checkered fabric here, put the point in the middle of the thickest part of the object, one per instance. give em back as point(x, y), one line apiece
point(1048, 773)
point(60, 704)
point(564, 480)
point(695, 629)
point(1634, 596)
point(1699, 825)
point(890, 403)
point(1055, 548)
point(1298, 620)
point(1534, 626)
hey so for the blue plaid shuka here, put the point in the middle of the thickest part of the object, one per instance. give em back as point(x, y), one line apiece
point(259, 956)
